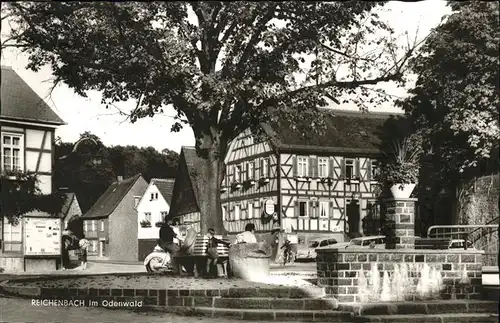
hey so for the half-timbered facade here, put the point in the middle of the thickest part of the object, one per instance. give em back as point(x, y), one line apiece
point(27, 127)
point(321, 186)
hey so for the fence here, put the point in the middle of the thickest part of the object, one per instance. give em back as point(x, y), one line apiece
point(483, 237)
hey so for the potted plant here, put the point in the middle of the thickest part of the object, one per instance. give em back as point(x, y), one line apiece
point(159, 224)
point(401, 171)
point(145, 224)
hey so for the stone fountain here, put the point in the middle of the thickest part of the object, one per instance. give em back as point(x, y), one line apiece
point(400, 272)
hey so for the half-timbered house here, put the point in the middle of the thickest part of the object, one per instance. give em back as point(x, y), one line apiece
point(27, 127)
point(314, 186)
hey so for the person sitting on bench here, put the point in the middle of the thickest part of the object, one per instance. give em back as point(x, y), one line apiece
point(248, 236)
point(212, 253)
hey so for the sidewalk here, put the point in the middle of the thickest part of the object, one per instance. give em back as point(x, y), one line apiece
point(92, 268)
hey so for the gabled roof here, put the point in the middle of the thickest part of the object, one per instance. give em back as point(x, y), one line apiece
point(188, 179)
point(108, 201)
point(346, 132)
point(165, 186)
point(19, 101)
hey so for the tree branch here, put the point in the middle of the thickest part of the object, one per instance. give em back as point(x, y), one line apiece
point(256, 35)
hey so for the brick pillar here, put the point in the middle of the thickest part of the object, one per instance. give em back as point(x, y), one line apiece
point(399, 223)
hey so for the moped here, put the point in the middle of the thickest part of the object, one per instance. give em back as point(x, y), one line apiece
point(158, 261)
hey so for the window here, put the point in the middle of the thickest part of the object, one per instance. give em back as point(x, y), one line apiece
point(332, 241)
point(250, 210)
point(94, 225)
point(12, 237)
point(152, 196)
point(136, 200)
point(374, 169)
point(237, 173)
point(224, 213)
point(102, 225)
point(11, 151)
point(156, 196)
point(250, 169)
point(302, 208)
point(323, 209)
point(264, 172)
point(147, 216)
point(93, 246)
point(302, 166)
point(349, 169)
point(322, 167)
point(237, 212)
point(163, 215)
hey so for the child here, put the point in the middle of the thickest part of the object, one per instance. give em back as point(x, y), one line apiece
point(212, 254)
point(84, 244)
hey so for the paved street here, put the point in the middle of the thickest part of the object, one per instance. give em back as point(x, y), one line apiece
point(10, 311)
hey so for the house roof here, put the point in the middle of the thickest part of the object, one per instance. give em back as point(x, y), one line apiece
point(108, 201)
point(20, 102)
point(165, 186)
point(346, 132)
point(67, 204)
point(185, 196)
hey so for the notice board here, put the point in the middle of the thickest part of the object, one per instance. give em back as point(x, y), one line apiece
point(42, 236)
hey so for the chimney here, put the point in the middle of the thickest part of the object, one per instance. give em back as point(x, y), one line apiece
point(120, 178)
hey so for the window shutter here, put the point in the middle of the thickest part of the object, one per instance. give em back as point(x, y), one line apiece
point(358, 173)
point(310, 166)
point(259, 173)
point(253, 169)
point(342, 171)
point(330, 168)
point(311, 208)
point(369, 171)
point(295, 166)
point(297, 210)
point(315, 163)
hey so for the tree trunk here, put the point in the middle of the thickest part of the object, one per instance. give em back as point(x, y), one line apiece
point(211, 150)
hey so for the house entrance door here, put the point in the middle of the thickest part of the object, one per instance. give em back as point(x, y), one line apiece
point(353, 216)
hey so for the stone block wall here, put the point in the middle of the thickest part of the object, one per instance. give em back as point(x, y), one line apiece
point(338, 270)
point(399, 221)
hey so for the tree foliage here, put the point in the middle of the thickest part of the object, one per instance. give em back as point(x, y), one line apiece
point(77, 170)
point(455, 102)
point(20, 194)
point(223, 66)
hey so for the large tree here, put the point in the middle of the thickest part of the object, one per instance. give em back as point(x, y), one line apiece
point(223, 66)
point(456, 100)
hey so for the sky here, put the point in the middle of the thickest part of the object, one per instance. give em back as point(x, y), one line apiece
point(87, 114)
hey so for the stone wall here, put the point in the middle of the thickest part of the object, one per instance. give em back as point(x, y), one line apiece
point(338, 270)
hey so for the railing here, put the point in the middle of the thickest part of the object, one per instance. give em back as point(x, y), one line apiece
point(484, 237)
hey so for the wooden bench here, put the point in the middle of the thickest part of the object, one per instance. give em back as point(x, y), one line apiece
point(432, 243)
point(195, 260)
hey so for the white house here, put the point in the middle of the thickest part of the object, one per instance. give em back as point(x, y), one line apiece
point(152, 209)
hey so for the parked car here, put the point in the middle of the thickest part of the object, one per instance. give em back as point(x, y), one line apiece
point(309, 252)
point(364, 242)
